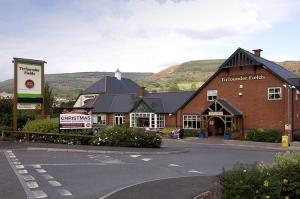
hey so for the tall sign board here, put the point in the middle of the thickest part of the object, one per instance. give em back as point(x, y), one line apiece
point(28, 86)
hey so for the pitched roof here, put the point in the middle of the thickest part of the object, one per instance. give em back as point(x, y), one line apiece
point(125, 103)
point(279, 71)
point(229, 107)
point(112, 85)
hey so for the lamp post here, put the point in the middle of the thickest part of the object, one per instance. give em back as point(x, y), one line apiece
point(289, 125)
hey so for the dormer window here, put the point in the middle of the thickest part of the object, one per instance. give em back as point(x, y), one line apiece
point(118, 74)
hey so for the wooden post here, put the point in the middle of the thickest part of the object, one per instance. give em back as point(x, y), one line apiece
point(15, 111)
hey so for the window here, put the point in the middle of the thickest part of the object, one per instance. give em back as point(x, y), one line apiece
point(274, 93)
point(160, 121)
point(101, 119)
point(119, 119)
point(212, 95)
point(191, 121)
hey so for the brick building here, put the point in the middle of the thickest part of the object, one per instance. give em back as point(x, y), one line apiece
point(247, 91)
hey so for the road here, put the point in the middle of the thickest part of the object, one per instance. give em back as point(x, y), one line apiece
point(41, 174)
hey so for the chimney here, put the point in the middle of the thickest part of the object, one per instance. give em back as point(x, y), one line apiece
point(118, 74)
point(257, 52)
point(142, 91)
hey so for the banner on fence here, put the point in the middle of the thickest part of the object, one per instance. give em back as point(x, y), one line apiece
point(75, 118)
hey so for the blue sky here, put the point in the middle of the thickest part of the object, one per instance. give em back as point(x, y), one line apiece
point(102, 35)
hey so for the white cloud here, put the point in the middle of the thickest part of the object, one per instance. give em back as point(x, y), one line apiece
point(134, 35)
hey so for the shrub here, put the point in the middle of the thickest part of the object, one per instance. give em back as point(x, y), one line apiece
point(297, 136)
point(280, 180)
point(191, 133)
point(227, 131)
point(260, 135)
point(167, 131)
point(42, 125)
point(127, 137)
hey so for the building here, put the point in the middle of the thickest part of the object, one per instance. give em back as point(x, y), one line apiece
point(247, 91)
point(117, 100)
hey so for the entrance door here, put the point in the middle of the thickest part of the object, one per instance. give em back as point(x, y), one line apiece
point(216, 126)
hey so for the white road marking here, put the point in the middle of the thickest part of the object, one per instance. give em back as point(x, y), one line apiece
point(194, 171)
point(32, 184)
point(23, 171)
point(8, 151)
point(64, 192)
point(135, 156)
point(146, 159)
point(54, 183)
point(39, 194)
point(174, 165)
point(16, 162)
point(47, 176)
point(14, 159)
point(36, 166)
point(19, 166)
point(41, 170)
point(12, 156)
point(28, 177)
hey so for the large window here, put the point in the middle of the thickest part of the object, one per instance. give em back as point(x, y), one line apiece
point(119, 119)
point(101, 119)
point(274, 93)
point(191, 121)
point(212, 95)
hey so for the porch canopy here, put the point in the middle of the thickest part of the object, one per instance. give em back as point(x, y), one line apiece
point(221, 108)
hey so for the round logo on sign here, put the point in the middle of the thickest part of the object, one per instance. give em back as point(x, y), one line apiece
point(29, 83)
point(88, 125)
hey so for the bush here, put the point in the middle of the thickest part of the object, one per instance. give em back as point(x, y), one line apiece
point(261, 135)
point(191, 133)
point(280, 180)
point(42, 125)
point(165, 132)
point(127, 137)
point(297, 136)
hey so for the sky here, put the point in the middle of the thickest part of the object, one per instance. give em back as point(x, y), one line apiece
point(143, 35)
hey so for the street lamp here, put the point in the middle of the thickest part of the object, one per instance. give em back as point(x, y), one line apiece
point(289, 125)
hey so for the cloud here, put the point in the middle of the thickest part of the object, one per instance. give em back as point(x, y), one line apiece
point(130, 35)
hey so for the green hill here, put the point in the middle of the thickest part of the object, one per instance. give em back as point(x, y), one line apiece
point(186, 76)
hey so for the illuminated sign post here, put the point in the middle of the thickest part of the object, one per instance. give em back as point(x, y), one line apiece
point(28, 86)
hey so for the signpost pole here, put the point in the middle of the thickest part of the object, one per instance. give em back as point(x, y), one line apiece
point(15, 111)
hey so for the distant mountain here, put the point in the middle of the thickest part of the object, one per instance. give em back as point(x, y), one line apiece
point(186, 76)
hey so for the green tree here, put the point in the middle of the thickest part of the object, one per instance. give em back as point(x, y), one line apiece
point(48, 100)
point(173, 87)
point(193, 87)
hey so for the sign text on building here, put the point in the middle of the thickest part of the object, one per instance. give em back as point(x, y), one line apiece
point(243, 78)
point(75, 118)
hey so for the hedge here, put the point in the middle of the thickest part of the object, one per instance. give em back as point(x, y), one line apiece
point(279, 180)
point(42, 125)
point(297, 136)
point(127, 137)
point(191, 133)
point(261, 135)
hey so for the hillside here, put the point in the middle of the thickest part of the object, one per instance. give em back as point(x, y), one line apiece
point(186, 76)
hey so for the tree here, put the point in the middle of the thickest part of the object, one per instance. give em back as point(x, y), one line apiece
point(193, 87)
point(48, 100)
point(173, 87)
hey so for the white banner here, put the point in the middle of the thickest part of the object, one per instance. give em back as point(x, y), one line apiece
point(75, 119)
point(29, 80)
point(29, 106)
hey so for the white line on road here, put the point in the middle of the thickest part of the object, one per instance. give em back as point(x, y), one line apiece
point(47, 176)
point(54, 183)
point(174, 165)
point(146, 159)
point(64, 192)
point(41, 170)
point(32, 184)
point(194, 171)
point(23, 171)
point(39, 194)
point(28, 177)
point(16, 162)
point(9, 151)
point(135, 156)
point(12, 156)
point(20, 166)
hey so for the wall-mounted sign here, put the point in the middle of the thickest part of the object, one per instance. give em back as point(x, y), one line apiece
point(243, 78)
point(29, 106)
point(29, 80)
point(215, 113)
point(75, 118)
